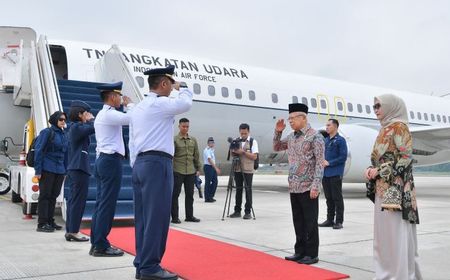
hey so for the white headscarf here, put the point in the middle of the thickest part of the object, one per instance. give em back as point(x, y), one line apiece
point(393, 108)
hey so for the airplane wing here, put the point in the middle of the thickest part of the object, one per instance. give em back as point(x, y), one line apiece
point(431, 145)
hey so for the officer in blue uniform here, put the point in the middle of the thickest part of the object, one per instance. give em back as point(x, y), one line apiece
point(108, 166)
point(151, 154)
point(81, 127)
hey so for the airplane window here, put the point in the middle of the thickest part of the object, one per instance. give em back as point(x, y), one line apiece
point(294, 99)
point(432, 117)
point(274, 98)
point(367, 109)
point(211, 90)
point(350, 107)
point(419, 115)
point(425, 116)
point(438, 118)
point(197, 88)
point(323, 104)
point(411, 114)
point(305, 101)
point(444, 118)
point(313, 103)
point(225, 92)
point(140, 81)
point(340, 106)
point(251, 95)
point(238, 93)
point(359, 108)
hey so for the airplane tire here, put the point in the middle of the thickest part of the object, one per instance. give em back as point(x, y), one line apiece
point(5, 187)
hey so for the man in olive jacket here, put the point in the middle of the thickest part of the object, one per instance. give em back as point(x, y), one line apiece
point(186, 165)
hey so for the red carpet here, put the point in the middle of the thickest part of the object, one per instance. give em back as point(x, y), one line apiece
point(198, 258)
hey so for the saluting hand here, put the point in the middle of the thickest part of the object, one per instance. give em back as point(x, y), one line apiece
point(280, 126)
point(126, 100)
point(176, 85)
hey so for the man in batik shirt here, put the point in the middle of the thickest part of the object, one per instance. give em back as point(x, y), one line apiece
point(306, 149)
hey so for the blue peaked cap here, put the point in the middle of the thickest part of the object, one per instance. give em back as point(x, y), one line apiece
point(117, 87)
point(168, 72)
point(80, 104)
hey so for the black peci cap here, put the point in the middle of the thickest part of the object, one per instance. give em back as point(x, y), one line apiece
point(298, 107)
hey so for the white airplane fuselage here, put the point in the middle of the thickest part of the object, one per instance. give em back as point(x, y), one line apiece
point(226, 95)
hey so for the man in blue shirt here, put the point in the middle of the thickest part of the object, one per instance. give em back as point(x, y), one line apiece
point(334, 163)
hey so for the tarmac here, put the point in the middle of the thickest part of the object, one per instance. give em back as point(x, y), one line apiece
point(27, 254)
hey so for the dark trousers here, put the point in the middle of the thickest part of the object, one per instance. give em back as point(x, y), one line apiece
point(210, 181)
point(188, 181)
point(49, 189)
point(152, 186)
point(79, 185)
point(108, 172)
point(332, 187)
point(305, 212)
point(240, 183)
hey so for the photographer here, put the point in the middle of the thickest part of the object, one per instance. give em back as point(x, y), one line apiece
point(247, 151)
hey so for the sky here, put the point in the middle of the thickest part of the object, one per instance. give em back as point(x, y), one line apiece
point(398, 44)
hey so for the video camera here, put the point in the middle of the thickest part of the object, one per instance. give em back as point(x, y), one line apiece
point(235, 144)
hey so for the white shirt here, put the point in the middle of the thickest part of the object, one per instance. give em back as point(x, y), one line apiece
point(208, 153)
point(151, 123)
point(255, 149)
point(108, 130)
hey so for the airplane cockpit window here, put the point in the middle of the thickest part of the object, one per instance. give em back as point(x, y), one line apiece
point(359, 108)
point(367, 109)
point(340, 106)
point(238, 93)
point(197, 88)
point(274, 98)
point(323, 104)
point(211, 90)
point(251, 95)
point(140, 81)
point(294, 99)
point(432, 117)
point(225, 92)
point(438, 118)
point(313, 103)
point(411, 115)
point(350, 107)
point(419, 115)
point(425, 116)
point(305, 101)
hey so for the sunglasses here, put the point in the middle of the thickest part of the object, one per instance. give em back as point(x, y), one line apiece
point(61, 119)
point(376, 106)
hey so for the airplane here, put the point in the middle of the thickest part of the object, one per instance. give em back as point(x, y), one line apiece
point(227, 94)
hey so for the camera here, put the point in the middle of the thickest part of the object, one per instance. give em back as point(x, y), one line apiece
point(235, 144)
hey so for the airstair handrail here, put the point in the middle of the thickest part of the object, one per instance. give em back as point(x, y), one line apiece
point(39, 110)
point(51, 91)
point(113, 68)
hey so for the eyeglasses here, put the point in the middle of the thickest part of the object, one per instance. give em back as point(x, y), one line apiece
point(293, 117)
point(62, 120)
point(376, 106)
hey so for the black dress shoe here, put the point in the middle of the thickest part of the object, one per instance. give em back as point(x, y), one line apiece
point(327, 223)
point(192, 219)
point(108, 252)
point(91, 251)
point(176, 221)
point(308, 260)
point(247, 216)
point(337, 226)
point(74, 237)
point(45, 228)
point(56, 226)
point(235, 215)
point(137, 275)
point(294, 257)
point(160, 275)
point(209, 200)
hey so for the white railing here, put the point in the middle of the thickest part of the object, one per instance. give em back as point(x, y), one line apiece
point(39, 111)
point(113, 68)
point(48, 77)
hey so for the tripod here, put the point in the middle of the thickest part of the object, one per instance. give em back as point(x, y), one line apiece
point(231, 180)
